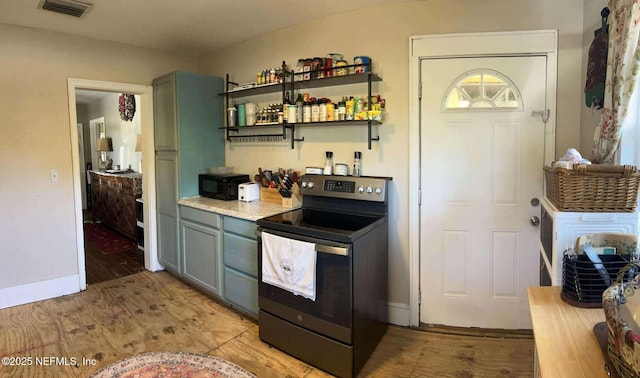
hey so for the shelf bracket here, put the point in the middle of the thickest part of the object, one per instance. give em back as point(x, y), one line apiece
point(292, 126)
point(369, 137)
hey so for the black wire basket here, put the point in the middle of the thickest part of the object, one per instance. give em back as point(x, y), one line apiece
point(584, 281)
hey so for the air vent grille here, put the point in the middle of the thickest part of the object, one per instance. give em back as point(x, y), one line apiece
point(68, 7)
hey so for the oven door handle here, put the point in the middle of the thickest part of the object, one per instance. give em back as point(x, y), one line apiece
point(321, 248)
point(341, 251)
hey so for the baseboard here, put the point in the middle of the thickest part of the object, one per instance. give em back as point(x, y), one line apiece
point(38, 291)
point(399, 314)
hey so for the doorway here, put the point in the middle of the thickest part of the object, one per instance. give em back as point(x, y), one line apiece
point(473, 248)
point(148, 183)
point(110, 250)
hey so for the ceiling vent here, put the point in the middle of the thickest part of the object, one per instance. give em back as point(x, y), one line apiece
point(68, 7)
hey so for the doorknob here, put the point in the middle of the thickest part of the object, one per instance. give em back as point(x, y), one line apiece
point(535, 201)
point(534, 220)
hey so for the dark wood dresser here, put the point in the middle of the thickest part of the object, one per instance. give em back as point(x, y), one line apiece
point(114, 200)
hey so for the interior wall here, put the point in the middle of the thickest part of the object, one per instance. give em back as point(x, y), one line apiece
point(589, 118)
point(382, 33)
point(37, 221)
point(123, 133)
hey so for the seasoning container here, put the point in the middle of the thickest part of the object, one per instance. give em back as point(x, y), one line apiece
point(357, 160)
point(299, 108)
point(315, 111)
point(328, 164)
point(307, 69)
point(292, 114)
point(306, 113)
point(342, 111)
point(331, 111)
point(299, 70)
point(323, 111)
point(341, 71)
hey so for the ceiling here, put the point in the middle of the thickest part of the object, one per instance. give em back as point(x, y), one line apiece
point(184, 27)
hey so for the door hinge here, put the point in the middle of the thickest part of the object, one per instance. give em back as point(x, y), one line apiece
point(419, 297)
point(419, 197)
point(420, 91)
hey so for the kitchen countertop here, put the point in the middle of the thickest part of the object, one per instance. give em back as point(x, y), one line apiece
point(244, 210)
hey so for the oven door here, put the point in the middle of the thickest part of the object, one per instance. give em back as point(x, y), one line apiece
point(331, 313)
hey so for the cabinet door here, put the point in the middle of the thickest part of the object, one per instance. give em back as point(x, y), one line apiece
point(200, 254)
point(168, 243)
point(166, 183)
point(241, 290)
point(164, 113)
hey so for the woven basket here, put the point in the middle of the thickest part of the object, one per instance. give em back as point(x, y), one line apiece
point(593, 188)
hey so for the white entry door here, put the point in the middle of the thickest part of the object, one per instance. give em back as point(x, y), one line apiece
point(481, 173)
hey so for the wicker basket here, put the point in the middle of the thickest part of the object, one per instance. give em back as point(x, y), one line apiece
point(593, 188)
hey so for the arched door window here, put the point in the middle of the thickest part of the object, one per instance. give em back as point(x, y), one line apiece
point(482, 89)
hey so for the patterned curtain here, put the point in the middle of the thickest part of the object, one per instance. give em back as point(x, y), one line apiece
point(623, 64)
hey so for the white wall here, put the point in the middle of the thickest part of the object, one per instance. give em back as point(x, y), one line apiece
point(383, 33)
point(123, 133)
point(37, 217)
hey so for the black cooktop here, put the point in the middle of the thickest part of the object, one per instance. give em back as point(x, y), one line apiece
point(329, 225)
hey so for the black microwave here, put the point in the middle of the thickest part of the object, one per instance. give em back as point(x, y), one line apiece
point(222, 187)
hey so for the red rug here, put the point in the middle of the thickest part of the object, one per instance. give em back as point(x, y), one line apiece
point(106, 240)
point(168, 364)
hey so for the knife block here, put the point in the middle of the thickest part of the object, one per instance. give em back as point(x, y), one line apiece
point(291, 202)
point(270, 195)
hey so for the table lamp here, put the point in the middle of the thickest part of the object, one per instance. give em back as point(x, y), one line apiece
point(104, 145)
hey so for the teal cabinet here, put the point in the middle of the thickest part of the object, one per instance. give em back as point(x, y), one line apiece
point(200, 249)
point(188, 114)
point(240, 258)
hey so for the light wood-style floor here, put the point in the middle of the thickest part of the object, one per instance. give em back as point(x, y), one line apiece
point(148, 312)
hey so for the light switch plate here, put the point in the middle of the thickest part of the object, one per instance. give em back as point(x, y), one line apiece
point(54, 175)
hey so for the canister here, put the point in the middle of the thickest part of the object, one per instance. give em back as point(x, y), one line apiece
point(232, 117)
point(340, 67)
point(242, 116)
point(362, 64)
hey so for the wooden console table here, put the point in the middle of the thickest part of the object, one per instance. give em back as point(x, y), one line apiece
point(566, 345)
point(114, 200)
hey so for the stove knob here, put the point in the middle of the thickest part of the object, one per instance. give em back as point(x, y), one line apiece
point(361, 189)
point(369, 190)
point(378, 191)
point(304, 184)
point(310, 185)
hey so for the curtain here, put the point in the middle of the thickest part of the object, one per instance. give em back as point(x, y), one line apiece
point(623, 64)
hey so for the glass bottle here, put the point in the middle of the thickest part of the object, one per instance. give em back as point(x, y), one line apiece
point(299, 105)
point(357, 163)
point(328, 164)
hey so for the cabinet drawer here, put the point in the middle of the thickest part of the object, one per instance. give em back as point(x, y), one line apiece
point(241, 290)
point(240, 226)
point(241, 253)
point(200, 216)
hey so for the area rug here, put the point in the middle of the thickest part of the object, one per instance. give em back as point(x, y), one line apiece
point(106, 240)
point(172, 364)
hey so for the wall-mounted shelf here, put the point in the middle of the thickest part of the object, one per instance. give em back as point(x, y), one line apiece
point(273, 137)
point(239, 134)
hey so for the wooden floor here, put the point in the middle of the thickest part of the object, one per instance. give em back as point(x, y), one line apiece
point(147, 312)
point(102, 267)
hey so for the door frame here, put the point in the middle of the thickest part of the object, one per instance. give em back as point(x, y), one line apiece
point(465, 45)
point(148, 162)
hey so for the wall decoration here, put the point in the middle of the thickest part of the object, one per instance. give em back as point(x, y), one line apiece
point(127, 106)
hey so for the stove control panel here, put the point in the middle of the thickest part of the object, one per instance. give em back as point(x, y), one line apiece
point(366, 188)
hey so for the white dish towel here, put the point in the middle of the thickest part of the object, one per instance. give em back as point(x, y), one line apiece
point(289, 264)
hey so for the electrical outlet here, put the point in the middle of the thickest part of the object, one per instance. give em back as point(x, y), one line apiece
point(54, 175)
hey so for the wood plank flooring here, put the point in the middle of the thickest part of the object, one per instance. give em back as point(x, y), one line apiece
point(147, 312)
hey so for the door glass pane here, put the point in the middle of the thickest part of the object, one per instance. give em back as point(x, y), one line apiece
point(482, 89)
